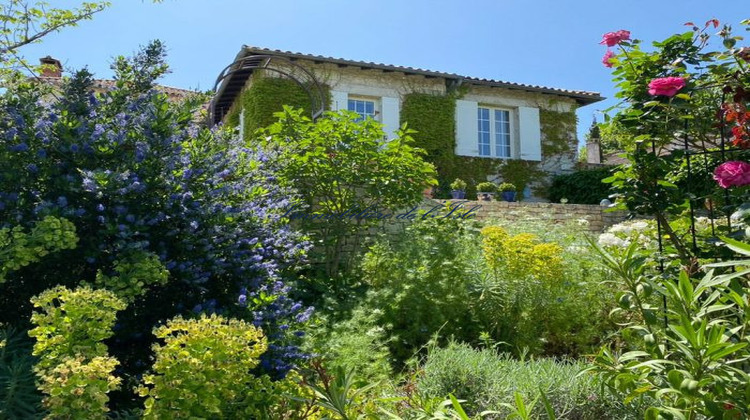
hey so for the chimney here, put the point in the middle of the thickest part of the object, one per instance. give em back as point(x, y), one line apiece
point(594, 144)
point(51, 67)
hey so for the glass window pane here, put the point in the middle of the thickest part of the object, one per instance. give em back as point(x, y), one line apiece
point(370, 108)
point(352, 106)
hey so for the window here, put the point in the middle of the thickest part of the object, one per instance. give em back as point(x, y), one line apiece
point(494, 132)
point(362, 107)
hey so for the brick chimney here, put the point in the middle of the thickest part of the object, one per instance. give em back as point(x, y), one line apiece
point(51, 67)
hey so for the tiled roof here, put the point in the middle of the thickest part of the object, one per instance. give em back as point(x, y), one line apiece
point(232, 85)
point(591, 96)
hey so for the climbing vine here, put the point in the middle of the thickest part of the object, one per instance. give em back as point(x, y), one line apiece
point(558, 130)
point(265, 96)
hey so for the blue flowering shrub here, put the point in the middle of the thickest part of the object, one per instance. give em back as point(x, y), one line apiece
point(174, 218)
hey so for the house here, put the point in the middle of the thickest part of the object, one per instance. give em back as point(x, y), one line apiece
point(474, 129)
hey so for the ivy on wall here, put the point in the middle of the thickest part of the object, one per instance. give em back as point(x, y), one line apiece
point(558, 131)
point(263, 97)
point(433, 117)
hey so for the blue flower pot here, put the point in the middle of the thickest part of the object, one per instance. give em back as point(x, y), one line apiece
point(458, 194)
point(509, 196)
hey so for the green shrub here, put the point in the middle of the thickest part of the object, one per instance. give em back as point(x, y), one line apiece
point(77, 387)
point(691, 358)
point(203, 370)
point(358, 342)
point(19, 249)
point(341, 165)
point(487, 187)
point(74, 370)
point(486, 379)
point(421, 282)
point(506, 187)
point(458, 185)
point(581, 187)
point(135, 271)
point(72, 322)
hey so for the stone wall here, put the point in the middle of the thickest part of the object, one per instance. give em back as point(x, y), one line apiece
point(598, 217)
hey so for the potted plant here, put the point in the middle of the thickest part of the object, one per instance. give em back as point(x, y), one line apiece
point(508, 191)
point(458, 189)
point(485, 191)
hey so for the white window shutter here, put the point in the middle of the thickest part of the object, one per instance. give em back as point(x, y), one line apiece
point(389, 116)
point(467, 140)
point(339, 100)
point(531, 134)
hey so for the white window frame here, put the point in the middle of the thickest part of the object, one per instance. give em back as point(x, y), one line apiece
point(493, 134)
point(375, 101)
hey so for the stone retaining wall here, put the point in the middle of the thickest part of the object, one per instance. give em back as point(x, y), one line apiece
point(598, 218)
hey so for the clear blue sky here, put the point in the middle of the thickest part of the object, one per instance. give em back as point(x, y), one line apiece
point(543, 42)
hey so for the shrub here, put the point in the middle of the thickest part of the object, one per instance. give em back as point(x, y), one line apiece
point(343, 165)
point(421, 281)
point(148, 189)
point(19, 249)
point(358, 342)
point(136, 271)
point(487, 187)
point(77, 387)
point(506, 187)
point(203, 370)
point(542, 296)
point(581, 187)
point(458, 185)
point(688, 360)
point(486, 380)
point(74, 370)
point(72, 322)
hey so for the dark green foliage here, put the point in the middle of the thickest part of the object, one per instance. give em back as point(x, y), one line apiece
point(266, 96)
point(433, 117)
point(559, 130)
point(581, 187)
point(19, 398)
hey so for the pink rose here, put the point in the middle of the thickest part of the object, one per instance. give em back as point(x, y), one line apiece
point(611, 39)
point(666, 86)
point(732, 174)
point(607, 56)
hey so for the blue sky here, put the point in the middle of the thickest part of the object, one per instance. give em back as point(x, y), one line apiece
point(543, 42)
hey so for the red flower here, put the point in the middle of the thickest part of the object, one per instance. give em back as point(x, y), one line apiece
point(732, 174)
point(606, 59)
point(666, 86)
point(611, 39)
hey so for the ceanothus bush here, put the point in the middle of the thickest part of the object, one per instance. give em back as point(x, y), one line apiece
point(148, 187)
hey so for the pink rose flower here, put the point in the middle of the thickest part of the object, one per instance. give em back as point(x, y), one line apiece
point(666, 86)
point(611, 39)
point(732, 174)
point(605, 59)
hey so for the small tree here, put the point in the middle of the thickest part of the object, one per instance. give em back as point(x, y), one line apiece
point(349, 177)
